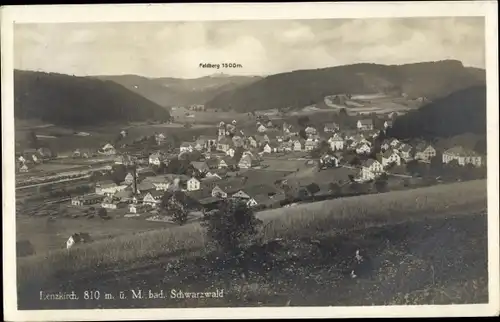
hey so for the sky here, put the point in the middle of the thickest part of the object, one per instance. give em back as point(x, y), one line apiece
point(176, 49)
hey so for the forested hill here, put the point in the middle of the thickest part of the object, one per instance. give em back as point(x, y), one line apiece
point(461, 112)
point(305, 87)
point(72, 101)
point(176, 91)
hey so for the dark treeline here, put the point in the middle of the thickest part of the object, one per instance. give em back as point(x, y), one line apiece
point(461, 112)
point(73, 101)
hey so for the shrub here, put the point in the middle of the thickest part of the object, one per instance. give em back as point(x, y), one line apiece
point(233, 226)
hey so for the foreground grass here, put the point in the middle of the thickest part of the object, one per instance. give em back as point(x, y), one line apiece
point(334, 217)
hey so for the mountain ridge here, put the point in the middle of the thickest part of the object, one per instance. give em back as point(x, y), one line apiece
point(76, 100)
point(307, 87)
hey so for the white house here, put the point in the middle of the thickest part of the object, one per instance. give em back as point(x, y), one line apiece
point(363, 148)
point(23, 168)
point(152, 198)
point(365, 125)
point(230, 152)
point(311, 144)
point(193, 184)
point(373, 165)
point(261, 129)
point(154, 159)
point(463, 156)
point(387, 124)
point(424, 152)
point(390, 157)
point(297, 145)
point(336, 142)
point(129, 178)
point(365, 174)
point(218, 192)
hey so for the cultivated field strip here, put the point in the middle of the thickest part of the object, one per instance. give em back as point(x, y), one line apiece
point(301, 221)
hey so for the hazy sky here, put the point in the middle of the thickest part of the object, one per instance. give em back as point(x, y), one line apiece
point(174, 49)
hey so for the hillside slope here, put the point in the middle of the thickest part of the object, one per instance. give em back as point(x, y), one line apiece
point(461, 112)
point(305, 87)
point(175, 91)
point(71, 101)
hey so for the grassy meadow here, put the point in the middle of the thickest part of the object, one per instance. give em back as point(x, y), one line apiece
point(382, 224)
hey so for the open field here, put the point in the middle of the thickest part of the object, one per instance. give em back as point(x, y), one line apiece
point(208, 117)
point(141, 260)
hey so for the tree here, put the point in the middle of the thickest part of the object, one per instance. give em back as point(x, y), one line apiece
point(118, 173)
point(303, 121)
point(232, 227)
point(175, 208)
point(303, 134)
point(313, 189)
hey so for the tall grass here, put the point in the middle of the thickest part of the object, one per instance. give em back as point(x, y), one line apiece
point(301, 221)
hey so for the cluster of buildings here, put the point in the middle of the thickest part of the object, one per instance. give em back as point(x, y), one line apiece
point(235, 148)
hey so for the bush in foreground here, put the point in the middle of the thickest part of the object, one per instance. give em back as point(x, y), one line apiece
point(233, 226)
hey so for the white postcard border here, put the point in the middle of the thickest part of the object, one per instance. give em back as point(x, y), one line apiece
point(196, 12)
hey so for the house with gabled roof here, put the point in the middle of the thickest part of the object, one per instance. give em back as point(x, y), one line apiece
point(270, 147)
point(129, 178)
point(424, 152)
point(261, 128)
point(365, 124)
point(298, 145)
point(225, 163)
point(390, 157)
point(311, 144)
point(363, 148)
point(23, 168)
point(247, 162)
point(193, 184)
point(373, 165)
point(153, 198)
point(336, 142)
point(405, 151)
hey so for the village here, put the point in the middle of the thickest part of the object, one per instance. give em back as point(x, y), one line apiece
point(269, 164)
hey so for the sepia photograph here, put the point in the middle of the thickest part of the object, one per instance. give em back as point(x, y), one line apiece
point(203, 158)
